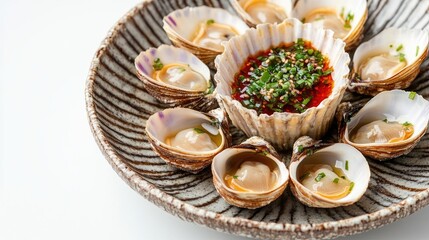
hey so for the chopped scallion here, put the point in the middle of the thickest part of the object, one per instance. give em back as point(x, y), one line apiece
point(320, 176)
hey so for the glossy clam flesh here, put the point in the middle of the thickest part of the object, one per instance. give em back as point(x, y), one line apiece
point(196, 139)
point(329, 19)
point(382, 131)
point(252, 176)
point(211, 34)
point(325, 180)
point(182, 76)
point(381, 66)
point(263, 11)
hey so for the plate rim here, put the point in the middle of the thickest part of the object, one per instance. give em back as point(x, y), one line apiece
point(217, 221)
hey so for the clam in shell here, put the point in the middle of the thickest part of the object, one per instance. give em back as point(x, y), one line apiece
point(281, 128)
point(188, 139)
point(327, 175)
point(345, 18)
point(250, 175)
point(201, 30)
point(390, 60)
point(176, 77)
point(255, 12)
point(388, 126)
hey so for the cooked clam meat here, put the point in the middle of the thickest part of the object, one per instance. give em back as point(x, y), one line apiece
point(382, 131)
point(211, 34)
point(196, 139)
point(329, 19)
point(252, 176)
point(381, 66)
point(325, 180)
point(179, 75)
point(264, 12)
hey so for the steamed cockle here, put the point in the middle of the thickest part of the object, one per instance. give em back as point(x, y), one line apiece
point(262, 11)
point(211, 34)
point(382, 131)
point(249, 175)
point(330, 19)
point(188, 139)
point(179, 75)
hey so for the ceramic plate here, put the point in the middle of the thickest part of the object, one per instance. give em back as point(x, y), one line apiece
point(118, 107)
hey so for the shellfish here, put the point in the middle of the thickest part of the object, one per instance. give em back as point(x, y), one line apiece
point(201, 30)
point(388, 126)
point(188, 139)
point(327, 175)
point(249, 175)
point(390, 60)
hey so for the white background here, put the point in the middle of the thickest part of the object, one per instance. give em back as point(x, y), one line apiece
point(54, 181)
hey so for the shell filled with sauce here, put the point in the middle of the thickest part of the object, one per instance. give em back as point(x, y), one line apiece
point(176, 77)
point(327, 176)
point(388, 126)
point(188, 139)
point(345, 18)
point(202, 30)
point(249, 175)
point(390, 60)
point(288, 91)
point(255, 12)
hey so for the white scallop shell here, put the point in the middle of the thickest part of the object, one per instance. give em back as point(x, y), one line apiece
point(415, 49)
point(357, 7)
point(395, 105)
point(281, 129)
point(286, 5)
point(180, 26)
point(334, 155)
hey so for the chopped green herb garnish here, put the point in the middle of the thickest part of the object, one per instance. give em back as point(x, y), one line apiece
point(417, 50)
point(347, 165)
point(336, 180)
point(300, 148)
point(352, 184)
point(343, 177)
point(235, 176)
point(303, 20)
point(412, 95)
point(320, 176)
point(402, 57)
point(385, 120)
point(399, 48)
point(181, 69)
point(348, 20)
point(391, 45)
point(304, 176)
point(157, 64)
point(406, 124)
point(265, 76)
point(210, 21)
point(306, 101)
point(199, 130)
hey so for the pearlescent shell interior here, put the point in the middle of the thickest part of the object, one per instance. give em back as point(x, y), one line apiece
point(288, 126)
point(169, 54)
point(358, 172)
point(118, 107)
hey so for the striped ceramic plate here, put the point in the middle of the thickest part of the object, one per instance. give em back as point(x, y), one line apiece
point(118, 107)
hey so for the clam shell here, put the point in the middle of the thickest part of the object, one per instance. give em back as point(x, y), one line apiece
point(415, 50)
point(180, 25)
point(358, 8)
point(307, 150)
point(281, 129)
point(172, 95)
point(255, 145)
point(390, 104)
point(162, 124)
point(286, 5)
